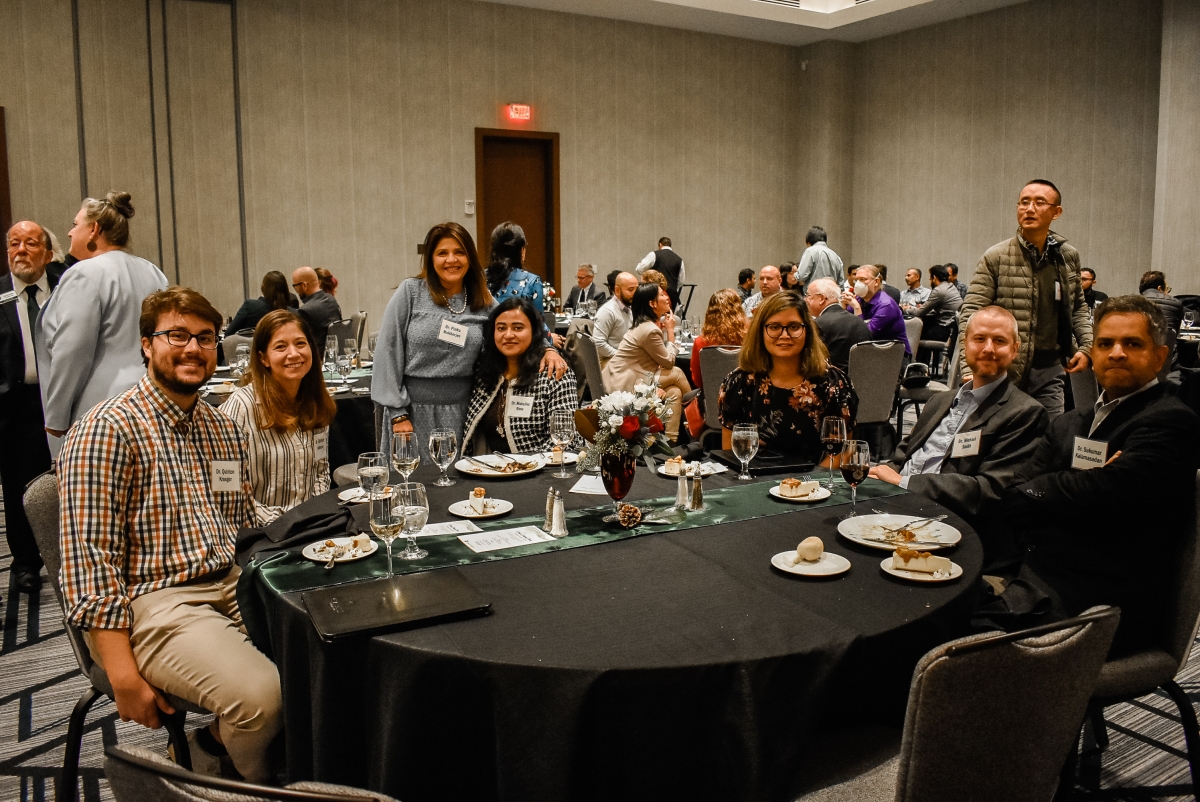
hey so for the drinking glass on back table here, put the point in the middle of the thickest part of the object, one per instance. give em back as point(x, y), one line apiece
point(855, 464)
point(331, 349)
point(405, 455)
point(350, 347)
point(241, 360)
point(416, 513)
point(344, 367)
point(372, 472)
point(745, 446)
point(387, 518)
point(833, 436)
point(443, 447)
point(562, 432)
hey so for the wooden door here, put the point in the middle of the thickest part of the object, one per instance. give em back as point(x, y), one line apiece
point(516, 178)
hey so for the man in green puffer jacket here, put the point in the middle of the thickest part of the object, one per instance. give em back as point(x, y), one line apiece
point(1035, 275)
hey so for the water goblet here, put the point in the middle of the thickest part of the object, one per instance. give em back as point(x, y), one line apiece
point(331, 349)
point(372, 472)
point(833, 437)
point(562, 432)
point(443, 448)
point(344, 367)
point(745, 446)
point(387, 519)
point(405, 455)
point(416, 513)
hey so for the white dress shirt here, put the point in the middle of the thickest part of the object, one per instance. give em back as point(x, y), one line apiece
point(648, 262)
point(932, 453)
point(613, 320)
point(27, 325)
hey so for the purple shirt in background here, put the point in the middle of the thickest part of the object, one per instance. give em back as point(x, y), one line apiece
point(885, 320)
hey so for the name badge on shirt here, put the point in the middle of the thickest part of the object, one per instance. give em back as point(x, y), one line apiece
point(520, 406)
point(966, 444)
point(453, 333)
point(226, 476)
point(1057, 291)
point(1089, 454)
point(8, 297)
point(321, 445)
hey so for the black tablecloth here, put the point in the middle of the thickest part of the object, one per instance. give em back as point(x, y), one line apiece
point(672, 665)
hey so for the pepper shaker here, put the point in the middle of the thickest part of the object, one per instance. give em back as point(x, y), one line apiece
point(548, 523)
point(559, 525)
point(697, 491)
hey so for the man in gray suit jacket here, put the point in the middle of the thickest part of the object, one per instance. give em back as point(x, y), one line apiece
point(967, 447)
point(317, 307)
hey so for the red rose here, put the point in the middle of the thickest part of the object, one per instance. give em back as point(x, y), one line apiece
point(629, 427)
point(654, 424)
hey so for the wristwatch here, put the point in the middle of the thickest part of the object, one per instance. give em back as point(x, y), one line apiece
point(401, 418)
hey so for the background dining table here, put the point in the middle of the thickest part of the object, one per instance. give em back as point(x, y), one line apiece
point(674, 664)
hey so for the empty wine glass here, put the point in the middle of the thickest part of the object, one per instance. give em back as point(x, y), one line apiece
point(443, 448)
point(405, 456)
point(350, 347)
point(344, 367)
point(833, 437)
point(562, 432)
point(241, 360)
point(745, 446)
point(372, 472)
point(331, 349)
point(856, 464)
point(416, 513)
point(387, 519)
point(1189, 317)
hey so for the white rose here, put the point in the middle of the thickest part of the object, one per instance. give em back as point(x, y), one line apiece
point(615, 421)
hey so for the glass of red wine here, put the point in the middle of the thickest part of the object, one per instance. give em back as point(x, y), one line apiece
point(833, 437)
point(856, 464)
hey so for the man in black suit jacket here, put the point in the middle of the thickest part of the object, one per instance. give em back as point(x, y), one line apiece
point(840, 330)
point(969, 446)
point(586, 289)
point(25, 452)
point(1110, 493)
point(317, 307)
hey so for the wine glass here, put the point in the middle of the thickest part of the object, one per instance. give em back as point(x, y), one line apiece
point(1189, 317)
point(443, 448)
point(562, 432)
point(833, 436)
point(344, 367)
point(745, 446)
point(416, 513)
point(856, 464)
point(387, 519)
point(331, 349)
point(241, 360)
point(405, 456)
point(372, 472)
point(350, 347)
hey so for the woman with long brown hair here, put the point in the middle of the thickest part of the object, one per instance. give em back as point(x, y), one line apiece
point(724, 324)
point(784, 382)
point(274, 296)
point(430, 337)
point(283, 411)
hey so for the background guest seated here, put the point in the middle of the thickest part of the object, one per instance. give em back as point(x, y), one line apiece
point(318, 308)
point(941, 306)
point(274, 296)
point(724, 324)
point(840, 330)
point(649, 348)
point(784, 382)
point(284, 414)
point(1109, 496)
point(511, 400)
point(585, 289)
point(877, 309)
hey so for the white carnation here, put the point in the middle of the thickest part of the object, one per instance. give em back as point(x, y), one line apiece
point(615, 421)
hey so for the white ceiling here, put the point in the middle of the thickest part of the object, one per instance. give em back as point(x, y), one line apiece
point(799, 22)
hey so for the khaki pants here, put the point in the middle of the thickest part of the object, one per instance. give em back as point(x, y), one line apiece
point(189, 641)
point(675, 384)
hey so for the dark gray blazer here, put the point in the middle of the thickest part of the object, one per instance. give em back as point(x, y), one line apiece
point(320, 309)
point(841, 331)
point(1011, 425)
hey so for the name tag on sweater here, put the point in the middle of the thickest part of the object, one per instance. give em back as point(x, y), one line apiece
point(321, 445)
point(520, 406)
point(966, 444)
point(226, 476)
point(1089, 454)
point(453, 333)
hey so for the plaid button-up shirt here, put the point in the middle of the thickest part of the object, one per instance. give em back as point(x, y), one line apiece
point(137, 510)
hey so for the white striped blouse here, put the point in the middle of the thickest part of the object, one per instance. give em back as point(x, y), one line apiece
point(285, 468)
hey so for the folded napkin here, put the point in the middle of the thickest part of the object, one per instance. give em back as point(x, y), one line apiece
point(316, 519)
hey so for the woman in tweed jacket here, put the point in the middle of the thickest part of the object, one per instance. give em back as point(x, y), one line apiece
point(511, 400)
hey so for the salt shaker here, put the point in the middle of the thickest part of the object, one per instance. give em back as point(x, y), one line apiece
point(697, 491)
point(681, 492)
point(548, 523)
point(559, 525)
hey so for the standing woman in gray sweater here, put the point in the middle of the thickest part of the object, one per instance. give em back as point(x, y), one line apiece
point(430, 336)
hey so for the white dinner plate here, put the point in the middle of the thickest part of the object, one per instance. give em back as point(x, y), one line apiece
point(921, 576)
point(820, 494)
point(366, 363)
point(316, 549)
point(829, 564)
point(705, 470)
point(860, 527)
point(474, 469)
point(569, 458)
point(223, 368)
point(491, 508)
point(356, 495)
point(338, 390)
point(221, 389)
point(361, 391)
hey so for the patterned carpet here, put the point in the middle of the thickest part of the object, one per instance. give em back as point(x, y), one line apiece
point(40, 683)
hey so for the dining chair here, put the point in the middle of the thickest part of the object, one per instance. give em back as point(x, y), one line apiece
point(1127, 678)
point(916, 397)
point(585, 350)
point(230, 343)
point(41, 508)
point(341, 329)
point(874, 374)
point(991, 717)
point(716, 362)
point(912, 329)
point(938, 349)
point(136, 774)
point(358, 325)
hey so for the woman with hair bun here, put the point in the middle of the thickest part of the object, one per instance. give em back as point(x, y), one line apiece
point(88, 347)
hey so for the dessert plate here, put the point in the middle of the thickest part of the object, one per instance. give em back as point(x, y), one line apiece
point(496, 464)
point(830, 564)
point(706, 469)
point(920, 576)
point(491, 508)
point(356, 495)
point(820, 494)
point(874, 532)
point(569, 458)
point(319, 552)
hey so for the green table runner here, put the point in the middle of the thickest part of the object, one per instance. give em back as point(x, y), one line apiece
point(289, 571)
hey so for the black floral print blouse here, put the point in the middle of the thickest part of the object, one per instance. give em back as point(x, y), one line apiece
point(789, 421)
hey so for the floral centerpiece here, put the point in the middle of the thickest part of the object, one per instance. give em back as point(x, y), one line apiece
point(629, 424)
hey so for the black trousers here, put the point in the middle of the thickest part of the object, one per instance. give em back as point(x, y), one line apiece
point(24, 456)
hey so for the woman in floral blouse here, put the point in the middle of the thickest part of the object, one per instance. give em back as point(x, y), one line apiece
point(784, 382)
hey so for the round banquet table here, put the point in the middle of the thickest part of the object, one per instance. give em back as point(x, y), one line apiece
point(676, 664)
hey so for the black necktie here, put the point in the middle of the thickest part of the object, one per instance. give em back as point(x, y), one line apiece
point(31, 305)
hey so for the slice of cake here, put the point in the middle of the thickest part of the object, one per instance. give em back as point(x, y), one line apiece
point(556, 455)
point(794, 488)
point(478, 499)
point(673, 466)
point(920, 561)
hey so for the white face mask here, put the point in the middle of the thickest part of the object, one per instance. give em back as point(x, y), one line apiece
point(860, 289)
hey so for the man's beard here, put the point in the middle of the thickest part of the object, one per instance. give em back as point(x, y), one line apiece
point(175, 385)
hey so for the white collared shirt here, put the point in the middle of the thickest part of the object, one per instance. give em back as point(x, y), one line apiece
point(1104, 408)
point(648, 262)
point(22, 302)
point(932, 453)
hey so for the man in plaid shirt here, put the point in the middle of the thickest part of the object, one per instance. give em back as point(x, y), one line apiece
point(152, 495)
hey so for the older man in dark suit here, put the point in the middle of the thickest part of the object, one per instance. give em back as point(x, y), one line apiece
point(969, 446)
point(1109, 496)
point(840, 330)
point(25, 453)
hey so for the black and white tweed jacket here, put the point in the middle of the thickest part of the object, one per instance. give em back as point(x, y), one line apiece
point(525, 435)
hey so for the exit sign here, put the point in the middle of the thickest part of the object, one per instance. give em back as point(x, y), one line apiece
point(519, 112)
